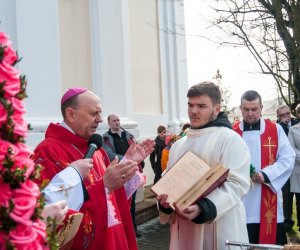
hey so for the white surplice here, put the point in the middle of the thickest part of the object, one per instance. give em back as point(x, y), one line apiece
point(278, 173)
point(66, 185)
point(215, 145)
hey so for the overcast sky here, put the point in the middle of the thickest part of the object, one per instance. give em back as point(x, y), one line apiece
point(236, 66)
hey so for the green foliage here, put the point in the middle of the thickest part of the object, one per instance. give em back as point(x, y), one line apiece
point(7, 223)
point(52, 235)
point(252, 170)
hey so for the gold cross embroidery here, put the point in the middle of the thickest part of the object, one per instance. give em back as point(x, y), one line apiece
point(269, 145)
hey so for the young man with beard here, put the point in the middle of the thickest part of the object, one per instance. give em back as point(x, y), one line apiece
point(272, 158)
point(219, 216)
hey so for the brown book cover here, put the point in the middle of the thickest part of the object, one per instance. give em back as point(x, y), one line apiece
point(69, 228)
point(189, 179)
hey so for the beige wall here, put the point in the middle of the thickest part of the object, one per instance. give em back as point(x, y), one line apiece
point(145, 57)
point(75, 44)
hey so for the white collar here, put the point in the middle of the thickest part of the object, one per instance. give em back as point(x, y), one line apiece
point(262, 126)
point(66, 126)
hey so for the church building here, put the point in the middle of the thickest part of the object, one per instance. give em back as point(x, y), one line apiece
point(129, 52)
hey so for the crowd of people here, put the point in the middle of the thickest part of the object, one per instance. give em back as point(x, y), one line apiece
point(249, 201)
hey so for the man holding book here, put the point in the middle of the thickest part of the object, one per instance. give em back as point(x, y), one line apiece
point(272, 160)
point(220, 215)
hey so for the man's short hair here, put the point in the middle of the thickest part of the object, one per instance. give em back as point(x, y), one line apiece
point(282, 107)
point(72, 102)
point(210, 89)
point(108, 118)
point(251, 95)
point(161, 128)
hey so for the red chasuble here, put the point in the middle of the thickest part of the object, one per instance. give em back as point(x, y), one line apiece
point(107, 222)
point(268, 210)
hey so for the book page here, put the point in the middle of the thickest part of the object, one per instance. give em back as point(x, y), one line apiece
point(185, 173)
point(207, 183)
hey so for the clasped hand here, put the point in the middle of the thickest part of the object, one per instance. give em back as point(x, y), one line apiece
point(258, 177)
point(83, 166)
point(188, 213)
point(56, 210)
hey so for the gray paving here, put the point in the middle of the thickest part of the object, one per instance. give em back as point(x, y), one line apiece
point(154, 235)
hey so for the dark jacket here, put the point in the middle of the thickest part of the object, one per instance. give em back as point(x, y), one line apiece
point(109, 145)
point(155, 157)
point(285, 126)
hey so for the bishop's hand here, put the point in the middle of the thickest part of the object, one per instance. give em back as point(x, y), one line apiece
point(118, 173)
point(138, 152)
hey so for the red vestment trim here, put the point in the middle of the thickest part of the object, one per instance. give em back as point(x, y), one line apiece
point(62, 147)
point(268, 210)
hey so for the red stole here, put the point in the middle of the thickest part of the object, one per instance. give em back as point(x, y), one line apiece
point(268, 209)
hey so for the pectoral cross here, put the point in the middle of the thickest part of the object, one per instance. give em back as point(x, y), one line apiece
point(269, 145)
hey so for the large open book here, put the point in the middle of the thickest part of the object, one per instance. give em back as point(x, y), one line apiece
point(189, 179)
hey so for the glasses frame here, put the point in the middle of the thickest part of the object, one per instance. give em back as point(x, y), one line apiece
point(285, 114)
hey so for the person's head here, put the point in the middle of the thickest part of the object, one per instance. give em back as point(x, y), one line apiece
point(236, 119)
point(81, 110)
point(203, 103)
point(161, 131)
point(251, 106)
point(284, 114)
point(113, 121)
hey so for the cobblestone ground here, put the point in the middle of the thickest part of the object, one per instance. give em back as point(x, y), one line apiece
point(154, 236)
point(157, 237)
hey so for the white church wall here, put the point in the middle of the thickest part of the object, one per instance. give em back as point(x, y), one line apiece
point(145, 57)
point(75, 44)
point(137, 69)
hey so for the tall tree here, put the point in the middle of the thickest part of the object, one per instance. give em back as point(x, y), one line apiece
point(225, 93)
point(270, 30)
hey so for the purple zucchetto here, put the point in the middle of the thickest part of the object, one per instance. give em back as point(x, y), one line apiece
point(72, 92)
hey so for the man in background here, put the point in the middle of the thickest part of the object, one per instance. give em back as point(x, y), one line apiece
point(116, 142)
point(155, 157)
point(285, 119)
point(272, 159)
point(236, 119)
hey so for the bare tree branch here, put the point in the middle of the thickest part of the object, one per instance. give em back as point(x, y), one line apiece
point(270, 30)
